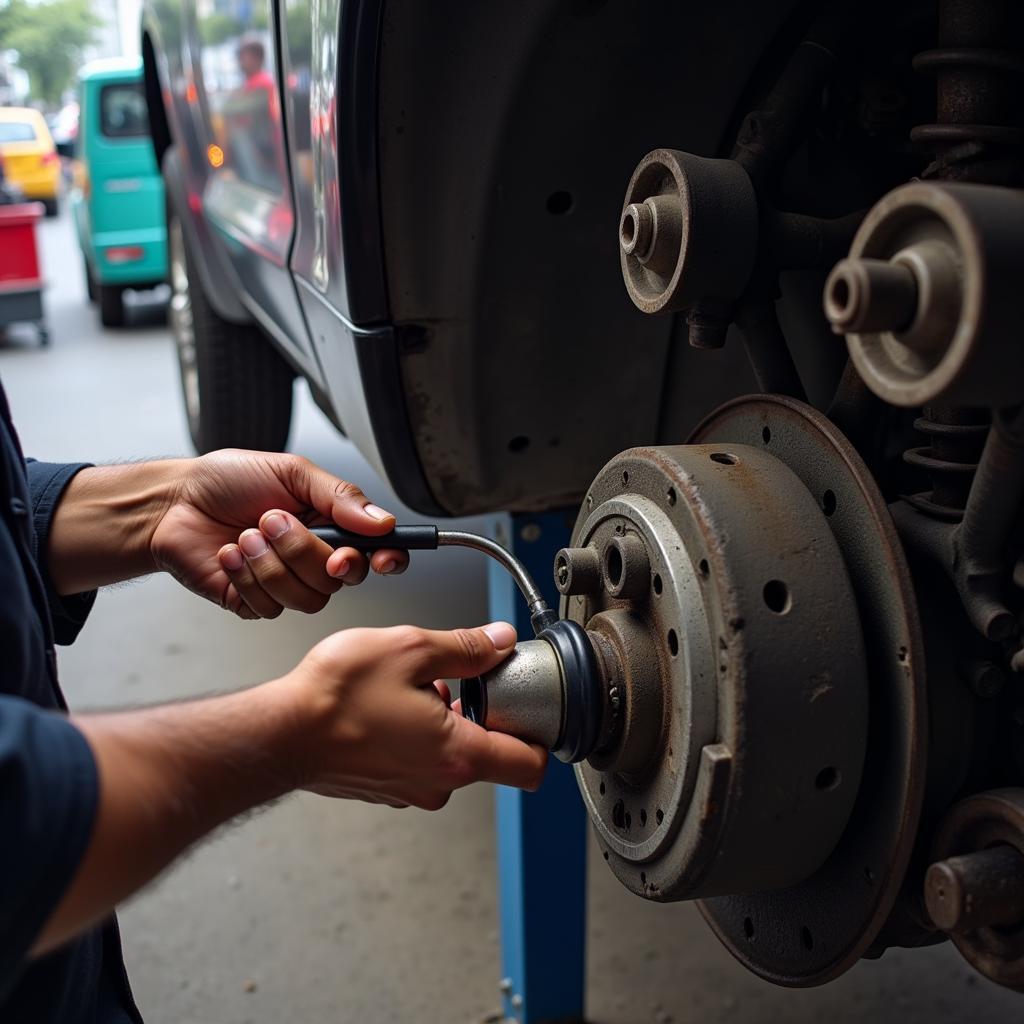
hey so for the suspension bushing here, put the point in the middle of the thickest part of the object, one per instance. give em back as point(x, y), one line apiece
point(688, 231)
point(929, 296)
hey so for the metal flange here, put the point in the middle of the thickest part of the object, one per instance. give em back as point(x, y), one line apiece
point(928, 298)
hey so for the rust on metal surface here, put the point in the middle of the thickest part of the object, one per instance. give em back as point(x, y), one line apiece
point(880, 837)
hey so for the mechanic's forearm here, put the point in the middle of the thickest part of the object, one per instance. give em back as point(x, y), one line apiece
point(168, 776)
point(101, 530)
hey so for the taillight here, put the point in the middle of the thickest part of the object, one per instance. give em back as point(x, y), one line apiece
point(49, 158)
point(123, 253)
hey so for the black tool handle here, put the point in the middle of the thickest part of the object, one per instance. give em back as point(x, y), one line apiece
point(401, 538)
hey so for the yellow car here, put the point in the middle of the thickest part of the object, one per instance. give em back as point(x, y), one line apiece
point(29, 156)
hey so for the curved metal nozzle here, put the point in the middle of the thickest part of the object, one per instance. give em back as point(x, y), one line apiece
point(541, 616)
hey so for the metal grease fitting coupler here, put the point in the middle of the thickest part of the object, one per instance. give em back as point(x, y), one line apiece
point(550, 690)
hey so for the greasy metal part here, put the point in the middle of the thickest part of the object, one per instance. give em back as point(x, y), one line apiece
point(973, 552)
point(797, 241)
point(688, 231)
point(744, 242)
point(775, 128)
point(984, 911)
point(767, 351)
point(626, 569)
point(553, 690)
point(916, 294)
point(992, 513)
point(870, 295)
point(977, 890)
point(856, 410)
point(577, 571)
point(985, 679)
point(818, 928)
point(955, 440)
point(977, 134)
point(743, 684)
point(541, 616)
point(523, 696)
point(961, 244)
point(635, 692)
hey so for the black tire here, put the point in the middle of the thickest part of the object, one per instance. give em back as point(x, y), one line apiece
point(52, 209)
point(237, 388)
point(90, 281)
point(111, 298)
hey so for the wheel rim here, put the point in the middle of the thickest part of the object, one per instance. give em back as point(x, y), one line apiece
point(182, 324)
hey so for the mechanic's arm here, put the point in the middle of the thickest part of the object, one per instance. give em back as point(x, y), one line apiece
point(230, 526)
point(360, 717)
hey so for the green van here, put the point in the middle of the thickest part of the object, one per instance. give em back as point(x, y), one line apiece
point(117, 195)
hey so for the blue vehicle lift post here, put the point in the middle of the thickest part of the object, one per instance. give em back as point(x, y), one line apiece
point(542, 836)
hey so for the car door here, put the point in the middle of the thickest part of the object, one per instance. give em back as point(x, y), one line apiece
point(247, 196)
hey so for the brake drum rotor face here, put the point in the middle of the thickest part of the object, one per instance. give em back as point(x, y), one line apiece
point(743, 719)
point(815, 930)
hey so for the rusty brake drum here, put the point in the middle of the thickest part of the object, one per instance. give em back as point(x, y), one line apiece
point(757, 628)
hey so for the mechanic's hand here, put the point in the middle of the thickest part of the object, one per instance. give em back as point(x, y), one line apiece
point(383, 727)
point(236, 534)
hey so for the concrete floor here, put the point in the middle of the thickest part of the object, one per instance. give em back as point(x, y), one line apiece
point(345, 913)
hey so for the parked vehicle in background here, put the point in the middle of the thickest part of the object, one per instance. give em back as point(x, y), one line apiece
point(117, 198)
point(30, 157)
point(64, 128)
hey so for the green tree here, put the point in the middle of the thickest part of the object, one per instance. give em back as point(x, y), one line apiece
point(219, 28)
point(49, 38)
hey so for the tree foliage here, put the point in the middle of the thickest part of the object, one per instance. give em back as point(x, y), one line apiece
point(217, 28)
point(49, 38)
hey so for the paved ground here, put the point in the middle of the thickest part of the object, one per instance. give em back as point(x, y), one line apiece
point(327, 912)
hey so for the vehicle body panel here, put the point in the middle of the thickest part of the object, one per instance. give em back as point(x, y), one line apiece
point(29, 155)
point(391, 219)
point(118, 196)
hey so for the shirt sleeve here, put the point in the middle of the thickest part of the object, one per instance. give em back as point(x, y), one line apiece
point(49, 792)
point(46, 483)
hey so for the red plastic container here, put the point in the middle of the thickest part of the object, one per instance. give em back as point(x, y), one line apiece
point(21, 284)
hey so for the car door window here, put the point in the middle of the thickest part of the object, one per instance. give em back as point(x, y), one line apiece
point(241, 87)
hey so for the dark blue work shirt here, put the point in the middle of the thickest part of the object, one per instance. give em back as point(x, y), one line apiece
point(48, 782)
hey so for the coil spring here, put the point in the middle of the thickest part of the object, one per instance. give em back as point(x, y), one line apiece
point(977, 135)
point(956, 438)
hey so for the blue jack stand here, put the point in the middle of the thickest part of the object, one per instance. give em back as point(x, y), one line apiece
point(542, 836)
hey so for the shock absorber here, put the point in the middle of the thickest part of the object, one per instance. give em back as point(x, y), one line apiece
point(976, 138)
